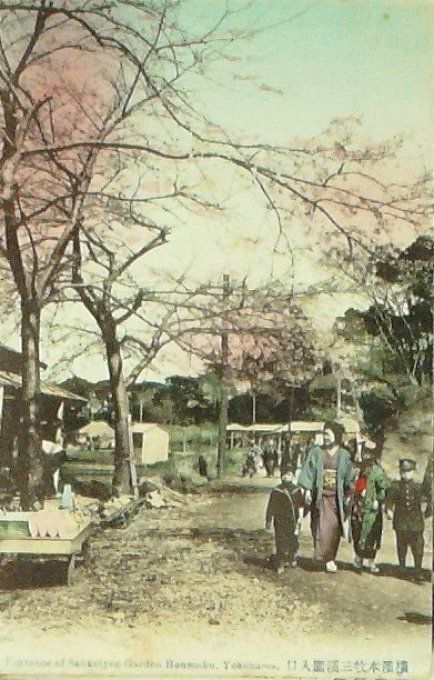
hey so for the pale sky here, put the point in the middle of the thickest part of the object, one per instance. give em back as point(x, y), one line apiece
point(316, 61)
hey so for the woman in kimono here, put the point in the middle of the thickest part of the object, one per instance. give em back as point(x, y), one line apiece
point(327, 476)
point(367, 511)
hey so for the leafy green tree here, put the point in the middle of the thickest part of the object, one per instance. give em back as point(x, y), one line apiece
point(394, 334)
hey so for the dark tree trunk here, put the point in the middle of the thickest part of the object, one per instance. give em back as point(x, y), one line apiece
point(29, 472)
point(223, 423)
point(120, 407)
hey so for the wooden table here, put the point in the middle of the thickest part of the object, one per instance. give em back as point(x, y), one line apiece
point(65, 549)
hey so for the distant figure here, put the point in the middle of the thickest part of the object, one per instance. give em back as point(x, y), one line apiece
point(367, 511)
point(249, 465)
point(256, 449)
point(286, 454)
point(270, 458)
point(284, 513)
point(404, 505)
point(202, 466)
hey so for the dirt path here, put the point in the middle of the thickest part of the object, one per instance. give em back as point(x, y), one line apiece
point(202, 572)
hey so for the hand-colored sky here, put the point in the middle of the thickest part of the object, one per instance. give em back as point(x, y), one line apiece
point(328, 58)
point(311, 62)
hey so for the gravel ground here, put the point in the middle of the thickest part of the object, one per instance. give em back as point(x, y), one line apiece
point(205, 566)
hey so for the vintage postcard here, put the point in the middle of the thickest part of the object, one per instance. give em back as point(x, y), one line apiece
point(216, 348)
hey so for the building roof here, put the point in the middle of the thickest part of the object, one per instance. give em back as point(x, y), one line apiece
point(49, 389)
point(236, 427)
point(10, 359)
point(350, 426)
point(258, 427)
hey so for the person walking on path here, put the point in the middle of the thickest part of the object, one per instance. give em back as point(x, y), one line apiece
point(367, 509)
point(202, 465)
point(404, 505)
point(270, 458)
point(285, 512)
point(327, 475)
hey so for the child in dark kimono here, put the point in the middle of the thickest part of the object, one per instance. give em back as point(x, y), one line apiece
point(285, 512)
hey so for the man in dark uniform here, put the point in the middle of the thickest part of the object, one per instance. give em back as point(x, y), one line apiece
point(404, 504)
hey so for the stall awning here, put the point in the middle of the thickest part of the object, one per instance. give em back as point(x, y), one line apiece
point(258, 428)
point(306, 426)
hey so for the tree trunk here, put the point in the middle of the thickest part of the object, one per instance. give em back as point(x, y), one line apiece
point(29, 469)
point(338, 396)
point(120, 408)
point(223, 423)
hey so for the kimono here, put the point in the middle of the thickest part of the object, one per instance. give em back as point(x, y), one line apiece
point(329, 500)
point(367, 522)
point(282, 511)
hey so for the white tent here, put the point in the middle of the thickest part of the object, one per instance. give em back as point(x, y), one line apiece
point(98, 430)
point(150, 443)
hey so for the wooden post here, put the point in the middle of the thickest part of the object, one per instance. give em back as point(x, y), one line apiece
point(253, 408)
point(224, 384)
point(59, 432)
point(358, 408)
point(132, 461)
point(338, 396)
point(232, 439)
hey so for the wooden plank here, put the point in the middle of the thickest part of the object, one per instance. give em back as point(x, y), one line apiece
point(70, 574)
point(134, 481)
point(123, 510)
point(37, 546)
point(46, 546)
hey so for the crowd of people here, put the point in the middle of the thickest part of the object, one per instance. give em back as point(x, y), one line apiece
point(346, 496)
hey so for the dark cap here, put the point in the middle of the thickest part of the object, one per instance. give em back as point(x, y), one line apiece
point(287, 468)
point(407, 464)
